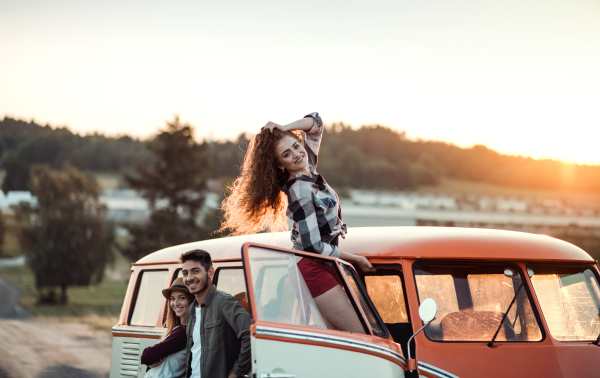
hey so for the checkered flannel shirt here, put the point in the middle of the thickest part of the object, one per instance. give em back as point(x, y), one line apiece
point(313, 205)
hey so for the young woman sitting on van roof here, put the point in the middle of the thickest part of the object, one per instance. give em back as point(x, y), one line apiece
point(167, 358)
point(280, 166)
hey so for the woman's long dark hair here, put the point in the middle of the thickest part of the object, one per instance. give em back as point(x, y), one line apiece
point(255, 201)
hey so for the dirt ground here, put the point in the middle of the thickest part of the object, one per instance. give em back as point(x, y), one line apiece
point(37, 349)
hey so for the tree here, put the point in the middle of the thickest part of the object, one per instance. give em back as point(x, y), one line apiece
point(64, 236)
point(174, 186)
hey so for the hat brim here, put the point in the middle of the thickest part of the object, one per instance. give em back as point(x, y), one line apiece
point(167, 292)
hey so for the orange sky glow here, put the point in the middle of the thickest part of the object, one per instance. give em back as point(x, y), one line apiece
point(519, 76)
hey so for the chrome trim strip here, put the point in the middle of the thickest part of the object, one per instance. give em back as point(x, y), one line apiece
point(434, 370)
point(302, 335)
point(135, 332)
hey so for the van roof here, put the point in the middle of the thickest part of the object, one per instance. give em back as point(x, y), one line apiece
point(398, 242)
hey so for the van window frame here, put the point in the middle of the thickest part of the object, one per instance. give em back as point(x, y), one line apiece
point(385, 333)
point(526, 285)
point(354, 297)
point(136, 292)
point(219, 269)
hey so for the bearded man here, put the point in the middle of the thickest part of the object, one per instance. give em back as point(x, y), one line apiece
point(218, 327)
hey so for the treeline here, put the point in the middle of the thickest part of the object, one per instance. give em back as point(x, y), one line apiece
point(481, 164)
point(24, 144)
point(372, 157)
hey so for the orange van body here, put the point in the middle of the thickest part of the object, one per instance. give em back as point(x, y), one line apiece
point(398, 249)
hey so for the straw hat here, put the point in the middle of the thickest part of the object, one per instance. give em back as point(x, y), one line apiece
point(177, 285)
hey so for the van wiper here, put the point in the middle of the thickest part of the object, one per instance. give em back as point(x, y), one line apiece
point(491, 343)
point(597, 340)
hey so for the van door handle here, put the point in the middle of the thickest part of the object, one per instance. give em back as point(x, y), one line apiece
point(277, 375)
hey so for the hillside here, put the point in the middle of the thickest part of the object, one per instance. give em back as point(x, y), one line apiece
point(370, 157)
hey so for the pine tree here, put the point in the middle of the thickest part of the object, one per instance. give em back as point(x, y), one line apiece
point(174, 186)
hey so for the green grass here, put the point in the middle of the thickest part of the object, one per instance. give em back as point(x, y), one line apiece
point(104, 300)
point(10, 247)
point(108, 180)
point(98, 305)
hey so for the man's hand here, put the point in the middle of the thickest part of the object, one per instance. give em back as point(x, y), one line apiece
point(157, 363)
point(232, 375)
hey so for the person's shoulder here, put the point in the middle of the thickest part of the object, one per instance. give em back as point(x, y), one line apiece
point(301, 189)
point(179, 331)
point(222, 296)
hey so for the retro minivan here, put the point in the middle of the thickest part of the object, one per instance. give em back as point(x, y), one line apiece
point(508, 304)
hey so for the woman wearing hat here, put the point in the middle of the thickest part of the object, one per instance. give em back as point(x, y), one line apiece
point(167, 358)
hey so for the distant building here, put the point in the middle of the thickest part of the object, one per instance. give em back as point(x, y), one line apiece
point(124, 205)
point(367, 208)
point(371, 208)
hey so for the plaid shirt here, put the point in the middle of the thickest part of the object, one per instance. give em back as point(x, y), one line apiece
point(312, 204)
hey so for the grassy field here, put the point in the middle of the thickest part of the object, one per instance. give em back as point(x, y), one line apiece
point(10, 247)
point(108, 180)
point(451, 186)
point(98, 305)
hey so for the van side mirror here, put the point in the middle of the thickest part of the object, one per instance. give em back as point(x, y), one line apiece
point(427, 312)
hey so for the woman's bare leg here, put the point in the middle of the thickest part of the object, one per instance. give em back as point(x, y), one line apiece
point(335, 308)
point(329, 324)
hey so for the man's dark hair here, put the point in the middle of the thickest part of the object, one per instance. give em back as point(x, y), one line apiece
point(198, 255)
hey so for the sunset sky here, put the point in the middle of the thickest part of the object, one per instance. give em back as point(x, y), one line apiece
point(520, 76)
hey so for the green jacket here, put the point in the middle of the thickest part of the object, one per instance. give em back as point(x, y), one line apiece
point(224, 333)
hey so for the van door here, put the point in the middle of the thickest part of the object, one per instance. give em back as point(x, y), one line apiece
point(289, 337)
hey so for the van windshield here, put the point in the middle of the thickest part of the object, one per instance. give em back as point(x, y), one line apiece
point(570, 301)
point(472, 300)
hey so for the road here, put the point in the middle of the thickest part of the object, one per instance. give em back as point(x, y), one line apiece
point(36, 349)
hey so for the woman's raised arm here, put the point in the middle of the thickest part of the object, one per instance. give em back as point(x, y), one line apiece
point(303, 124)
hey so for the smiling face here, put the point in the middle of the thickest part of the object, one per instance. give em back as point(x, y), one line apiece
point(196, 278)
point(179, 303)
point(291, 155)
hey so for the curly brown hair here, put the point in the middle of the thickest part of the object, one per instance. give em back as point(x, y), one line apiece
point(255, 202)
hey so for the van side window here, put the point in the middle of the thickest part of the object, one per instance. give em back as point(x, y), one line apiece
point(281, 295)
point(148, 297)
point(230, 280)
point(387, 295)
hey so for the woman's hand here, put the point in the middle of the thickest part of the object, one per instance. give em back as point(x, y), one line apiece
point(157, 363)
point(361, 261)
point(364, 264)
point(272, 125)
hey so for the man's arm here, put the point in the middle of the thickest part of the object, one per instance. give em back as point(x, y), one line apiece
point(239, 320)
